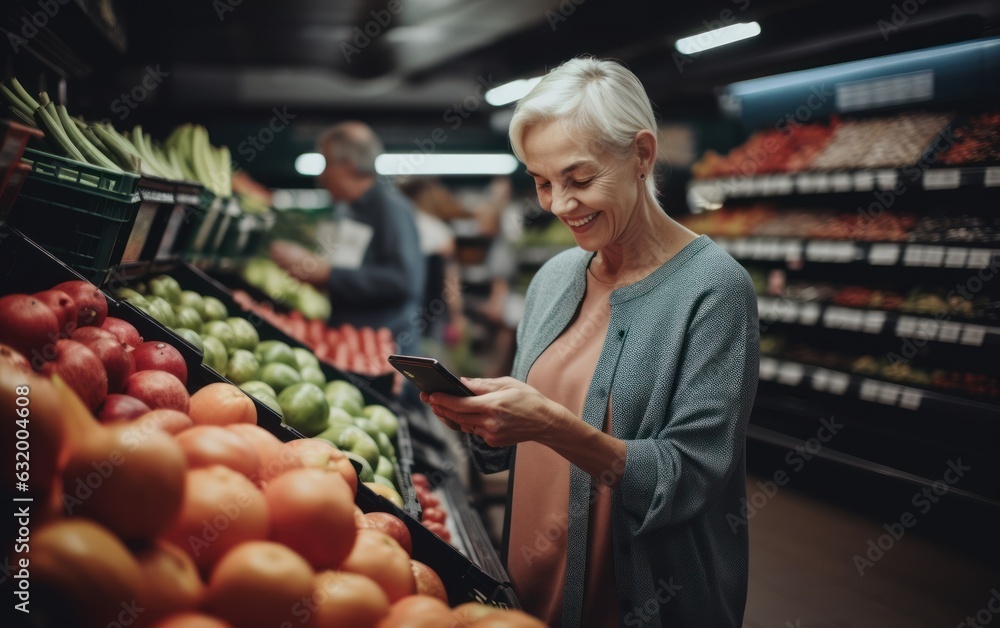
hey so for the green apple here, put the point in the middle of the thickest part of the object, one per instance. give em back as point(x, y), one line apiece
point(303, 407)
point(244, 334)
point(256, 387)
point(386, 470)
point(314, 375)
point(215, 354)
point(271, 351)
point(242, 367)
point(191, 337)
point(384, 418)
point(270, 402)
point(159, 308)
point(343, 394)
point(188, 318)
point(280, 376)
point(305, 359)
point(362, 466)
point(222, 331)
point(332, 431)
point(215, 310)
point(190, 298)
point(165, 287)
point(385, 446)
point(354, 439)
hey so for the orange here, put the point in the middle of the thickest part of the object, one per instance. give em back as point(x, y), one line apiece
point(222, 404)
point(347, 599)
point(171, 578)
point(205, 445)
point(378, 556)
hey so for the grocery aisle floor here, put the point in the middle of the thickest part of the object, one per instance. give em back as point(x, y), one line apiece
point(802, 572)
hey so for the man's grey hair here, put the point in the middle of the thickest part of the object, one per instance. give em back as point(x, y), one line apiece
point(351, 142)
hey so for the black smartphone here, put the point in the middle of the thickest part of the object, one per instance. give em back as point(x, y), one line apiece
point(429, 375)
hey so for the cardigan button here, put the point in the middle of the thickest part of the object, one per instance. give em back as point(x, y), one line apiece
point(621, 333)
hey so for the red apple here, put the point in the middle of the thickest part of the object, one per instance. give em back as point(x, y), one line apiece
point(62, 305)
point(91, 305)
point(90, 334)
point(30, 327)
point(158, 389)
point(159, 356)
point(393, 526)
point(10, 355)
point(116, 358)
point(428, 582)
point(82, 371)
point(123, 330)
point(118, 408)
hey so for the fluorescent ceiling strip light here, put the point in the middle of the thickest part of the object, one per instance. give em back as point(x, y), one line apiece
point(445, 164)
point(510, 92)
point(714, 39)
point(310, 164)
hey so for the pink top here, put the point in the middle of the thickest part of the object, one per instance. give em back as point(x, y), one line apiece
point(536, 559)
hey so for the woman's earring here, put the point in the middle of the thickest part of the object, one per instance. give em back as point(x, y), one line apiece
point(642, 176)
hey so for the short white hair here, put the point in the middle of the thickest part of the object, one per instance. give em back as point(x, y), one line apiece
point(596, 100)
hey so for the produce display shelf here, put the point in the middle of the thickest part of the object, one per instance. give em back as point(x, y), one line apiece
point(706, 193)
point(838, 383)
point(191, 278)
point(94, 210)
point(463, 578)
point(901, 254)
point(868, 321)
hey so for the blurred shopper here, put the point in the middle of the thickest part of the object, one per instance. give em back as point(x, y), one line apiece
point(624, 424)
point(443, 303)
point(374, 271)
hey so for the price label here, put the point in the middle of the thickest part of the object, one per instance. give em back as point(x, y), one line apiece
point(805, 184)
point(884, 254)
point(841, 182)
point(790, 373)
point(864, 181)
point(888, 394)
point(771, 249)
point(873, 322)
point(838, 383)
point(783, 184)
point(992, 177)
point(843, 252)
point(816, 251)
point(926, 256)
point(833, 317)
point(768, 368)
point(821, 183)
point(944, 179)
point(809, 314)
point(979, 258)
point(869, 390)
point(910, 398)
point(956, 256)
point(973, 335)
point(949, 332)
point(886, 179)
point(906, 327)
point(793, 250)
point(927, 329)
point(820, 379)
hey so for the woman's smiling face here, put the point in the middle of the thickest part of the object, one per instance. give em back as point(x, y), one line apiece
point(589, 190)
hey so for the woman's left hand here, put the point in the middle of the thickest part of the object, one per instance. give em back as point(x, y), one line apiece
point(505, 411)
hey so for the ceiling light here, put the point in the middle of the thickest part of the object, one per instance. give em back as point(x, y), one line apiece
point(310, 164)
point(509, 92)
point(443, 164)
point(718, 37)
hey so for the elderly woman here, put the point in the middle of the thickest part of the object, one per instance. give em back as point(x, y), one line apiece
point(624, 422)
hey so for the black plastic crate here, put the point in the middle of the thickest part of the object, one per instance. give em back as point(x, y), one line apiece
point(83, 214)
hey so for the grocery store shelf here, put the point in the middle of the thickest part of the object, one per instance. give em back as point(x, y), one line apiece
point(832, 382)
point(771, 437)
point(711, 193)
point(866, 321)
point(863, 253)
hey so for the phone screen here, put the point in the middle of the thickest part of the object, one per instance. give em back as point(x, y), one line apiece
point(429, 375)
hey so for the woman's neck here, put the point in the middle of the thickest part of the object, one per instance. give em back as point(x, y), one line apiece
point(650, 239)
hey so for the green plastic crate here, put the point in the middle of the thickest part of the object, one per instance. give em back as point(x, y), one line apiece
point(83, 214)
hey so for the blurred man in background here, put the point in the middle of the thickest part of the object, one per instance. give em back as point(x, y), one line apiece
point(371, 265)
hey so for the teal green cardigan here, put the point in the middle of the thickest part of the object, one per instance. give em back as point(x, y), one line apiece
point(680, 362)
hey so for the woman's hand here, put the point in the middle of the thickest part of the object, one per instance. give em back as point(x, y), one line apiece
point(504, 411)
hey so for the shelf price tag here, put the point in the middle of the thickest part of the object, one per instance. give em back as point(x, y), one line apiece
point(992, 177)
point(874, 321)
point(864, 181)
point(979, 258)
point(829, 381)
point(910, 398)
point(927, 328)
point(841, 182)
point(956, 256)
point(886, 179)
point(790, 373)
point(919, 255)
point(793, 250)
point(809, 313)
point(805, 184)
point(768, 368)
point(783, 184)
point(973, 335)
point(884, 254)
point(906, 326)
point(945, 179)
point(821, 183)
point(949, 332)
